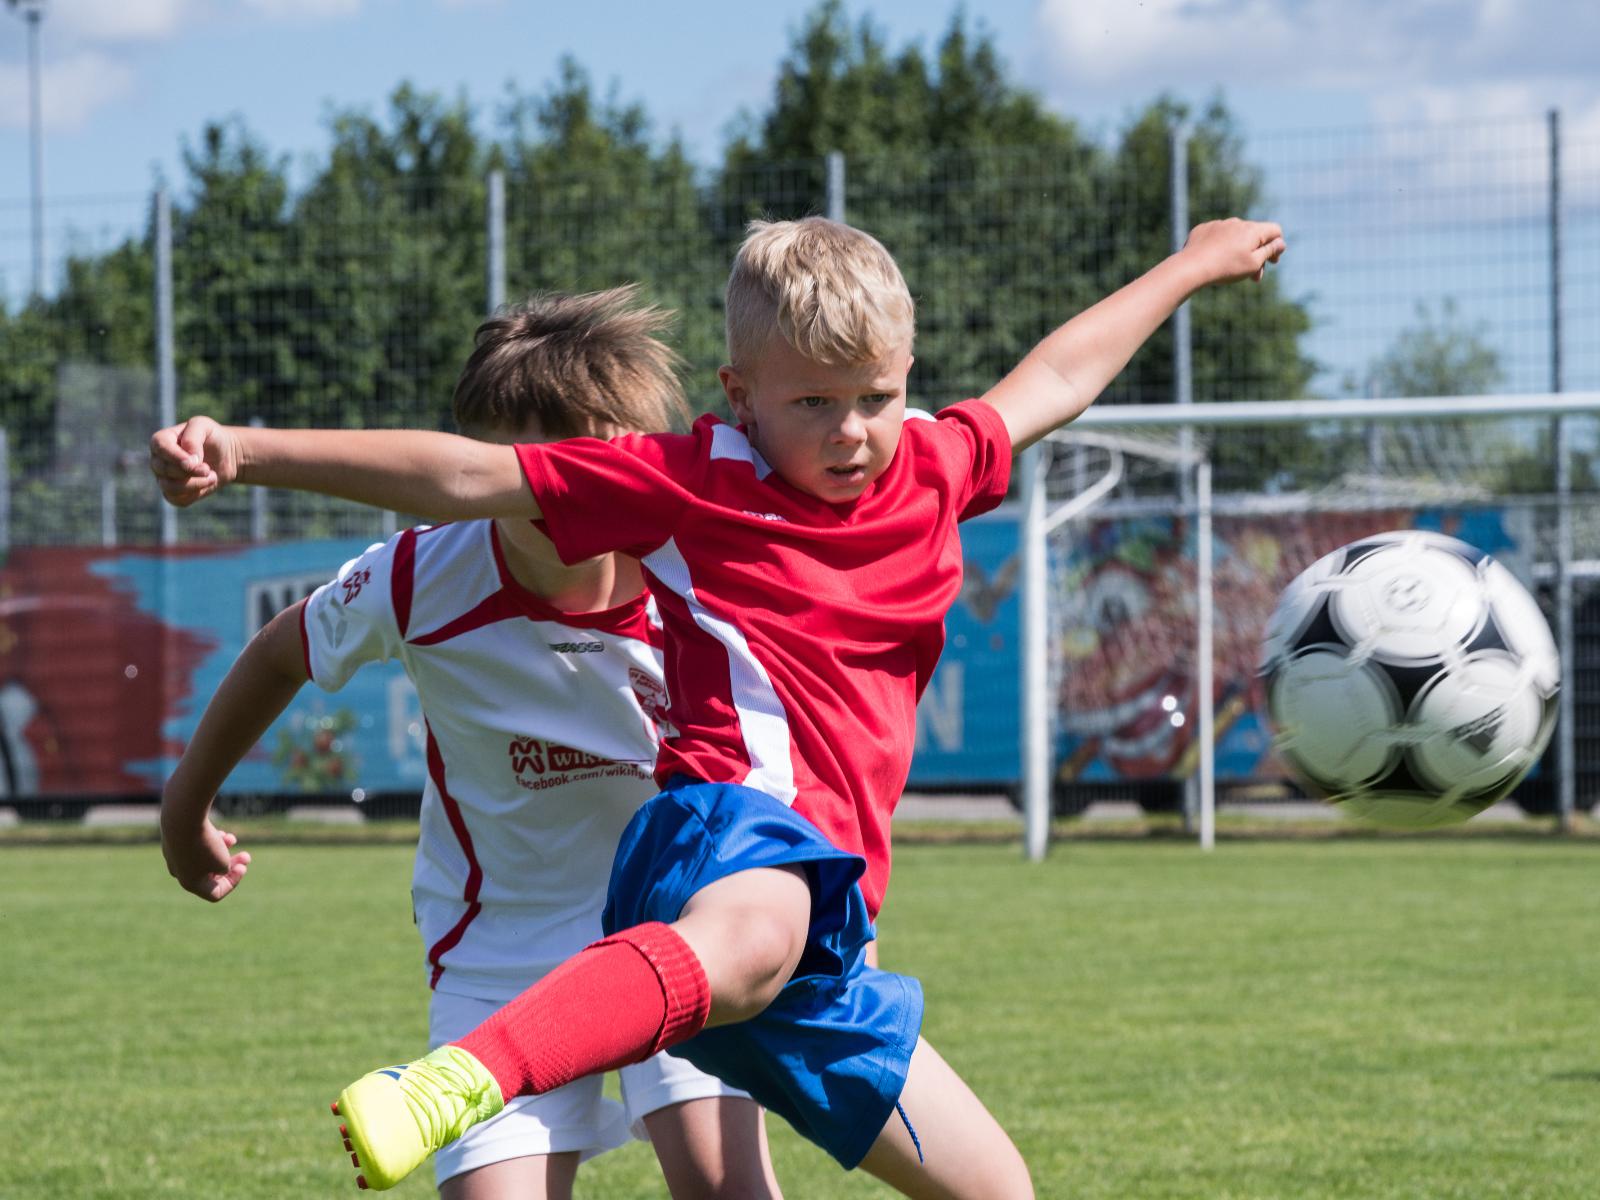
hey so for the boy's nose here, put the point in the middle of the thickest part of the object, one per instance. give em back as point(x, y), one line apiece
point(853, 428)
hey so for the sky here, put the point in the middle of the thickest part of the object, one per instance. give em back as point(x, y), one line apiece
point(126, 81)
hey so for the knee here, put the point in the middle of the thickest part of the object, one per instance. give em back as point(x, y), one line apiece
point(766, 949)
point(748, 931)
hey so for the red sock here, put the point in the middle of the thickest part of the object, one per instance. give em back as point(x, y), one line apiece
point(613, 1003)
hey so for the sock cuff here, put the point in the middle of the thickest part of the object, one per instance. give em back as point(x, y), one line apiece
point(684, 986)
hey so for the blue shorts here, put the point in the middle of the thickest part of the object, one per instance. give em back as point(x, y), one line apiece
point(830, 1054)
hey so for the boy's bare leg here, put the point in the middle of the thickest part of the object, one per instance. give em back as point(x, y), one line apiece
point(965, 1153)
point(734, 946)
point(748, 930)
point(714, 1149)
point(537, 1177)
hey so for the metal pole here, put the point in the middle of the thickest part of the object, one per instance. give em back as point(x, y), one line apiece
point(258, 501)
point(1182, 341)
point(1034, 648)
point(5, 493)
point(1205, 683)
point(167, 406)
point(166, 356)
point(32, 13)
point(1566, 634)
point(497, 240)
point(1233, 413)
point(835, 199)
point(108, 507)
point(1182, 360)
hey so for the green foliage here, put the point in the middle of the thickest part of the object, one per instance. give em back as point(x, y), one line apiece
point(312, 755)
point(1438, 356)
point(351, 299)
point(1442, 355)
point(593, 202)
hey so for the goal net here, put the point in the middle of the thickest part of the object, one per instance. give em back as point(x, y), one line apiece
point(1161, 537)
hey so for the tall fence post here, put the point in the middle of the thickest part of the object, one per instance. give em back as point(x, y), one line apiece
point(496, 241)
point(167, 408)
point(108, 507)
point(835, 197)
point(1205, 676)
point(1566, 634)
point(5, 493)
point(258, 501)
point(1034, 649)
point(1183, 371)
point(166, 355)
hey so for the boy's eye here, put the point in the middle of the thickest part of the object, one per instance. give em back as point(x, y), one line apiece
point(813, 401)
point(880, 398)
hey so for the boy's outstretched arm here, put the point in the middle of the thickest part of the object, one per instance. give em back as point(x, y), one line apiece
point(1061, 376)
point(258, 687)
point(436, 475)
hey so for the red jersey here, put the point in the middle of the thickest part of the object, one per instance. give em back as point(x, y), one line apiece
point(800, 634)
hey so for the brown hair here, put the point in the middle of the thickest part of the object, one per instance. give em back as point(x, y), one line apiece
point(833, 292)
point(581, 365)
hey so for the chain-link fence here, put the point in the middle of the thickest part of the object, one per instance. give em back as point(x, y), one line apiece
point(1428, 260)
point(1130, 597)
point(1425, 260)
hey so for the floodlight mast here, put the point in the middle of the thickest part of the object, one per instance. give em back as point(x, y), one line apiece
point(32, 11)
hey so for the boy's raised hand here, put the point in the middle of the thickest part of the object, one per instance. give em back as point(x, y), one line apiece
point(193, 459)
point(1224, 251)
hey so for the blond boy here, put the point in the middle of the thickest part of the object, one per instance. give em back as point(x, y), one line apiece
point(803, 561)
point(540, 687)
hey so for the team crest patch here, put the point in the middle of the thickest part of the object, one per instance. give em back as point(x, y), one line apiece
point(651, 694)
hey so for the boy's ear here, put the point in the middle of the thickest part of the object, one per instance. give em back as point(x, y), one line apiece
point(738, 394)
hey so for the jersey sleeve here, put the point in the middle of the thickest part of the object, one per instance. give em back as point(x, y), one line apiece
point(351, 619)
point(627, 494)
point(976, 449)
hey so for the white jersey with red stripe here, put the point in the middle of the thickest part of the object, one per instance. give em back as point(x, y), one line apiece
point(541, 735)
point(800, 634)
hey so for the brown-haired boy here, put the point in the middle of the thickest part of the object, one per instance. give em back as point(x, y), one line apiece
point(803, 562)
point(540, 687)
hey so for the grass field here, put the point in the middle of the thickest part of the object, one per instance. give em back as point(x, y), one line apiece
point(1284, 1019)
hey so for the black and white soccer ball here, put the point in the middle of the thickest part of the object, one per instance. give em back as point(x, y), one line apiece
point(1410, 679)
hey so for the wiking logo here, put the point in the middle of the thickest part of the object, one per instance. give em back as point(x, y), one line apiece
point(538, 764)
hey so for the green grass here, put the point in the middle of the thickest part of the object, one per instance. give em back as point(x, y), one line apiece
point(1283, 1019)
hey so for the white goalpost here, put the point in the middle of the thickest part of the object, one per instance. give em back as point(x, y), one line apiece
point(1115, 434)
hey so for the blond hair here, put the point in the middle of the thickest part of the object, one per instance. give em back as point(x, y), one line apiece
point(578, 364)
point(833, 292)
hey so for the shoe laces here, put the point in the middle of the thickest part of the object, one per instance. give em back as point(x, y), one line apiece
point(445, 1097)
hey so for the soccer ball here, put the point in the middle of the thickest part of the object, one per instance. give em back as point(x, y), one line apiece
point(1410, 679)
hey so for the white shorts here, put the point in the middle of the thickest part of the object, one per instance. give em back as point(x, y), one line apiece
point(575, 1117)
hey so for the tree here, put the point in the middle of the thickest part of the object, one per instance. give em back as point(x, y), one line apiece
point(962, 175)
point(390, 264)
point(352, 300)
point(1438, 356)
point(1442, 355)
point(1006, 219)
point(594, 202)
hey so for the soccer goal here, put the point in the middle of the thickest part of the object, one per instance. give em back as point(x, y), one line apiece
point(1155, 540)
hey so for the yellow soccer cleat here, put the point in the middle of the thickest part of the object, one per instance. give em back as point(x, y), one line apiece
point(395, 1117)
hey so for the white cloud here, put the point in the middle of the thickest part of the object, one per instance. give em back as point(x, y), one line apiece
point(296, 9)
point(102, 21)
point(94, 50)
point(1369, 44)
point(72, 89)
